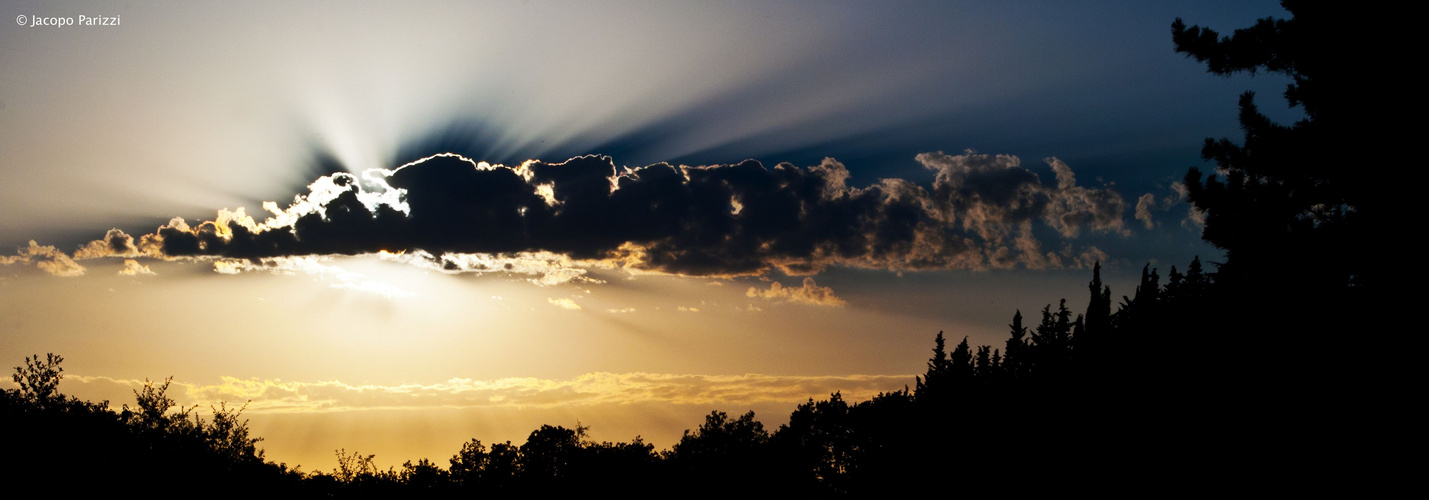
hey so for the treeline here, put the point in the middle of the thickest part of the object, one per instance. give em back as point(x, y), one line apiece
point(67, 446)
point(1070, 386)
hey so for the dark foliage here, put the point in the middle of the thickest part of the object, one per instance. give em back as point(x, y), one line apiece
point(1305, 230)
point(1287, 204)
point(86, 448)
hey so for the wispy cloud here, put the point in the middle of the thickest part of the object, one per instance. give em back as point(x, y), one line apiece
point(1149, 204)
point(565, 303)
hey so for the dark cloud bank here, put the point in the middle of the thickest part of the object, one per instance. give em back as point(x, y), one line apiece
point(981, 211)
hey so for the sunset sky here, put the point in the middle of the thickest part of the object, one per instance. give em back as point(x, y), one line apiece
point(407, 247)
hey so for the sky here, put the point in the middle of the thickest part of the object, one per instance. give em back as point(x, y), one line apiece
point(391, 227)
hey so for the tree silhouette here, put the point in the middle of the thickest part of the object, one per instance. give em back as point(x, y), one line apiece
point(984, 366)
point(354, 467)
point(1092, 340)
point(468, 464)
point(88, 448)
point(503, 467)
point(1015, 362)
point(828, 443)
point(725, 455)
point(1285, 207)
point(548, 453)
point(608, 466)
point(424, 476)
point(940, 371)
point(153, 405)
point(228, 437)
point(720, 436)
point(39, 381)
point(962, 364)
point(1302, 222)
point(1052, 343)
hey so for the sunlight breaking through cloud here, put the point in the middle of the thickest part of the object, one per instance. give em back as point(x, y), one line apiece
point(553, 221)
point(314, 266)
point(545, 268)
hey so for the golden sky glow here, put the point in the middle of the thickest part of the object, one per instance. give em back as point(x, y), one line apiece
point(472, 356)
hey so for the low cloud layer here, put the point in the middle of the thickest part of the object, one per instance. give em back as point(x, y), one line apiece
point(589, 389)
point(550, 220)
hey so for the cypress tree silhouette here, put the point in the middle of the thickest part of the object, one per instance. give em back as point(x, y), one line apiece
point(1092, 339)
point(1016, 363)
point(983, 367)
point(961, 364)
point(932, 387)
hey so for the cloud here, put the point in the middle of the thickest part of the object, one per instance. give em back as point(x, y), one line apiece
point(278, 396)
point(1194, 216)
point(134, 268)
point(554, 220)
point(114, 244)
point(996, 198)
point(1144, 205)
point(809, 293)
point(565, 303)
point(46, 258)
point(1149, 203)
point(545, 268)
